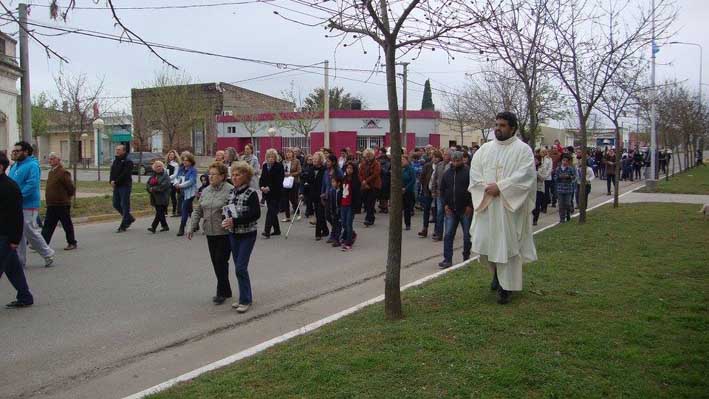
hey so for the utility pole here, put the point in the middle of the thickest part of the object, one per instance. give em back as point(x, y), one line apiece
point(326, 105)
point(652, 182)
point(403, 110)
point(25, 79)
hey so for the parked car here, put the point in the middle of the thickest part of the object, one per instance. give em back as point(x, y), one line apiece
point(142, 166)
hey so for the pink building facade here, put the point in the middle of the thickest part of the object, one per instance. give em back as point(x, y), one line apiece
point(353, 129)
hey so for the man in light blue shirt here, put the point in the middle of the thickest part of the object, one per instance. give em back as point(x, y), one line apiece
point(26, 173)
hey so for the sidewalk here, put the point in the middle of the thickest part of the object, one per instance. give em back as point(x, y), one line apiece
point(662, 197)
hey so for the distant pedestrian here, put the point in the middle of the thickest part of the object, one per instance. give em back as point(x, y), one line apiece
point(12, 216)
point(172, 167)
point(245, 210)
point(186, 185)
point(271, 184)
point(370, 178)
point(122, 182)
point(210, 209)
point(332, 170)
point(58, 193)
point(334, 197)
point(610, 162)
point(426, 196)
point(541, 176)
point(250, 158)
point(314, 183)
point(292, 170)
point(158, 187)
point(346, 206)
point(408, 187)
point(26, 173)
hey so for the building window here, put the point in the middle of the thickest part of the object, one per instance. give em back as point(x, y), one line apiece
point(364, 142)
point(2, 47)
point(298, 141)
point(231, 129)
point(228, 113)
point(421, 141)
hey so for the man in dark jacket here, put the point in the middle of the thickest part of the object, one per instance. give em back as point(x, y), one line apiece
point(458, 207)
point(122, 183)
point(10, 236)
point(57, 194)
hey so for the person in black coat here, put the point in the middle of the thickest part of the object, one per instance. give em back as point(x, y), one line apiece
point(122, 182)
point(10, 236)
point(271, 183)
point(313, 185)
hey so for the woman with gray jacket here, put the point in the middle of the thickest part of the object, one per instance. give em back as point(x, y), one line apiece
point(158, 186)
point(214, 198)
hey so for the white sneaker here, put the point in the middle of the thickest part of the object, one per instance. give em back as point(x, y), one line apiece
point(240, 308)
point(298, 217)
point(48, 261)
point(285, 220)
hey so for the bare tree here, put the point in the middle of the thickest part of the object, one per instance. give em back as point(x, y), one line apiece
point(589, 44)
point(81, 98)
point(251, 123)
point(515, 34)
point(307, 115)
point(171, 103)
point(397, 28)
point(620, 96)
point(458, 112)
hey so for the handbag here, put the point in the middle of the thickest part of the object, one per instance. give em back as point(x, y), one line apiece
point(288, 182)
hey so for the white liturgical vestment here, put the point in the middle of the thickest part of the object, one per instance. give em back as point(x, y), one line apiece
point(501, 231)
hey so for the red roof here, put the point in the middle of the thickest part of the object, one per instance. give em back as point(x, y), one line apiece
point(343, 114)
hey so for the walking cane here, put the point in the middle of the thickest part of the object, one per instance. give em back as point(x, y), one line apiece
point(297, 209)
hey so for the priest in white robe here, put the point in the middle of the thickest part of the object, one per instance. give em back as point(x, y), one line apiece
point(502, 186)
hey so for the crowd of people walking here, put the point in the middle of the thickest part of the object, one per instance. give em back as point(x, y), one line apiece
point(323, 188)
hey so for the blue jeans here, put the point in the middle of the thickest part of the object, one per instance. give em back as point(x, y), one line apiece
point(440, 217)
point(566, 206)
point(241, 248)
point(452, 222)
point(185, 212)
point(347, 219)
point(426, 203)
point(121, 203)
point(10, 265)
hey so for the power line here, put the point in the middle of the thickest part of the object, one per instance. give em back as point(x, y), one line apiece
point(173, 7)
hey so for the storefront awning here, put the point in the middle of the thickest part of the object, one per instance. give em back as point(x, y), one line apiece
point(121, 137)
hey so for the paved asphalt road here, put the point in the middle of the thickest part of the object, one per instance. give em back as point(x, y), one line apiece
point(127, 311)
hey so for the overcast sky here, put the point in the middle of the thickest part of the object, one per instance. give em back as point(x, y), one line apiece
point(253, 31)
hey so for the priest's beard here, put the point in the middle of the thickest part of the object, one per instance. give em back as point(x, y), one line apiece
point(499, 135)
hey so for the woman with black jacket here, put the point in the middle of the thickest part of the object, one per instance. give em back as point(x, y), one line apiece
point(271, 184)
point(314, 187)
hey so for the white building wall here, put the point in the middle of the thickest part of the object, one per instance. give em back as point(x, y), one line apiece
point(380, 127)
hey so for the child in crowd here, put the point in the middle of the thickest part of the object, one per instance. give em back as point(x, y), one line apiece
point(346, 214)
point(565, 179)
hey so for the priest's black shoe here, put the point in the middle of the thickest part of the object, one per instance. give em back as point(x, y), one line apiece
point(503, 296)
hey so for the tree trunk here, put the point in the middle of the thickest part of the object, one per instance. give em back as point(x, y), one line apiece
point(618, 152)
point(74, 157)
point(392, 285)
point(582, 186)
point(533, 119)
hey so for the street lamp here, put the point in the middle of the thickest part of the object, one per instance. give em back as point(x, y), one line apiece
point(272, 133)
point(98, 126)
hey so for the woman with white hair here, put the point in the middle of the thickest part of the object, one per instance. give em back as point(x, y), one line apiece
point(159, 188)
